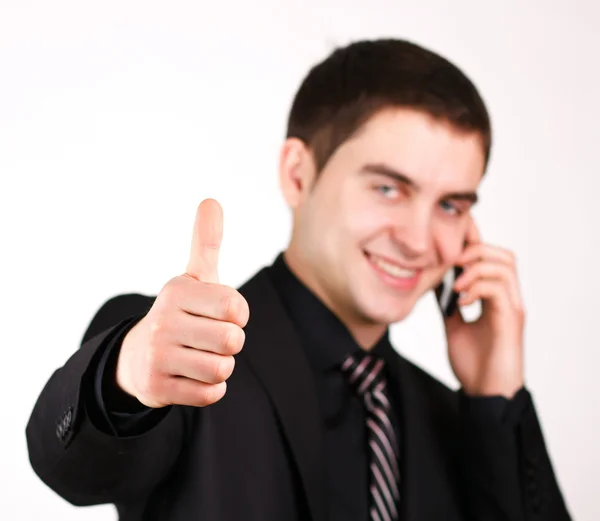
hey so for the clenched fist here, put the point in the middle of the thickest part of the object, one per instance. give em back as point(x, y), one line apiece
point(182, 351)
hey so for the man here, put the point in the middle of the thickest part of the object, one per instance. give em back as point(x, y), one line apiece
point(320, 418)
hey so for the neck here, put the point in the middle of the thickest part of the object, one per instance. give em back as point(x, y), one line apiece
point(366, 333)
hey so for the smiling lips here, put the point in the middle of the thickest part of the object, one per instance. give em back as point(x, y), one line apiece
point(394, 275)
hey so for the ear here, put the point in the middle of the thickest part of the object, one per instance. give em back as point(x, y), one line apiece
point(296, 171)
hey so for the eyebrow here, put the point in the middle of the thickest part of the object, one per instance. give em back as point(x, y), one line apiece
point(382, 169)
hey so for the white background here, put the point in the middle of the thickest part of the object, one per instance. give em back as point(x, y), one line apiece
point(118, 117)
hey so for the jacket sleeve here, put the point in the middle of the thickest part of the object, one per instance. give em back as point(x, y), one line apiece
point(507, 472)
point(111, 409)
point(69, 448)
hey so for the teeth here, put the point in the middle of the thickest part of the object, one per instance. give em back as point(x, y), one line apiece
point(392, 269)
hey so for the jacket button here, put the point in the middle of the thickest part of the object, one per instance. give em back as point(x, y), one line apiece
point(532, 486)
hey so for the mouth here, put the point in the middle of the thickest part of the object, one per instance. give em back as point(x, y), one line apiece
point(393, 274)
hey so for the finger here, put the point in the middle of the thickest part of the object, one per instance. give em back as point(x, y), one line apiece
point(184, 391)
point(201, 366)
point(492, 292)
point(214, 301)
point(480, 270)
point(490, 271)
point(487, 252)
point(205, 334)
point(206, 242)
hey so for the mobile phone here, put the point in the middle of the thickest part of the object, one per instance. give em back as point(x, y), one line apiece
point(446, 297)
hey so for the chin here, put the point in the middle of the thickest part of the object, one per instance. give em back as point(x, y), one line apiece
point(399, 315)
point(394, 312)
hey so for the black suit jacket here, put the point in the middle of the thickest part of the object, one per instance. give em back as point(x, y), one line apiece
point(257, 454)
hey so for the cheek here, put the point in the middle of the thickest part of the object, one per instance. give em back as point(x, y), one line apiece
point(361, 224)
point(450, 248)
point(367, 220)
point(369, 233)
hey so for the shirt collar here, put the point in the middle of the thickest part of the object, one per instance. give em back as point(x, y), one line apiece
point(325, 338)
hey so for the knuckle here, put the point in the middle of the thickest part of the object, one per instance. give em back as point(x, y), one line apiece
point(170, 290)
point(157, 328)
point(240, 311)
point(235, 338)
point(240, 340)
point(478, 249)
point(214, 393)
point(228, 304)
point(244, 312)
point(224, 333)
point(223, 368)
point(235, 307)
point(225, 337)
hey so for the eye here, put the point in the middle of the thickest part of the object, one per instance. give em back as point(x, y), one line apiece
point(450, 208)
point(388, 191)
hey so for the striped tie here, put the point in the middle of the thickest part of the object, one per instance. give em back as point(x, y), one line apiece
point(365, 376)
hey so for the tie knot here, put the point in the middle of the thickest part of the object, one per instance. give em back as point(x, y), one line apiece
point(364, 373)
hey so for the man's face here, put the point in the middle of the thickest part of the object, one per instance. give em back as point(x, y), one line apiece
point(387, 216)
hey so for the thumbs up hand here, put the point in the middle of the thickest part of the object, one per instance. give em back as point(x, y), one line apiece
point(182, 351)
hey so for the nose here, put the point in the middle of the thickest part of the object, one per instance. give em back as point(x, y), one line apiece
point(413, 234)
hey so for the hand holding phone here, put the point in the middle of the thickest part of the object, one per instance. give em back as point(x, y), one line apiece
point(486, 354)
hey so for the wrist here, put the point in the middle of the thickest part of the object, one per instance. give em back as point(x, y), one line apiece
point(505, 388)
point(122, 374)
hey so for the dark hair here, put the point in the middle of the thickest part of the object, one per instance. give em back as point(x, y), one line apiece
point(354, 82)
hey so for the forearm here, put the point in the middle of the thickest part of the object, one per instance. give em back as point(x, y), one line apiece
point(507, 474)
point(78, 460)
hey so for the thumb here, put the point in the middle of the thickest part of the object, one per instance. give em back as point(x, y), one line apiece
point(206, 242)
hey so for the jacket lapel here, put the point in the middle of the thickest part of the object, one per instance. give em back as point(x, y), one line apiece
point(428, 433)
point(275, 354)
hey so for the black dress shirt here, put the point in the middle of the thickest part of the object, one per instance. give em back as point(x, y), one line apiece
point(327, 342)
